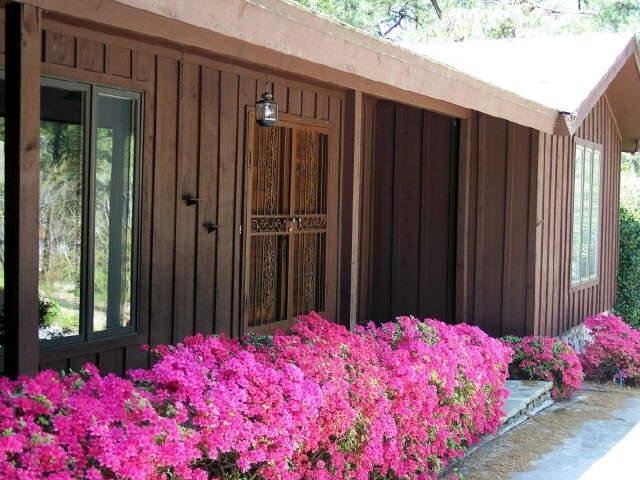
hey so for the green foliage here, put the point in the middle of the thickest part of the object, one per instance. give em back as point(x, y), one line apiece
point(426, 20)
point(379, 17)
point(48, 311)
point(617, 15)
point(628, 297)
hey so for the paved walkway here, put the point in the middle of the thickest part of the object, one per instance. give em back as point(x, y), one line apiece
point(595, 436)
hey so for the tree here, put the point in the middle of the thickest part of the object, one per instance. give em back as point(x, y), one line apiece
point(423, 20)
point(383, 18)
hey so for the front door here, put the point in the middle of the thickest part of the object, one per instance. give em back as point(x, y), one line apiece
point(285, 267)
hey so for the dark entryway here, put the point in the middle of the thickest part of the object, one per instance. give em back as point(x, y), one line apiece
point(409, 213)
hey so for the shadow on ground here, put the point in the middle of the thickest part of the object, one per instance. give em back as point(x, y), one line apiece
point(587, 438)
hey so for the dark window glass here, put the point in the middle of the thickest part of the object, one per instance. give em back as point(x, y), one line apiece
point(62, 153)
point(88, 144)
point(114, 176)
point(88, 151)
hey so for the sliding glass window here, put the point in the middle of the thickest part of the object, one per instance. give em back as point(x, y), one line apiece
point(88, 148)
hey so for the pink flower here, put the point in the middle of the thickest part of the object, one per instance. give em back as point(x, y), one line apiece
point(614, 353)
point(318, 402)
point(546, 358)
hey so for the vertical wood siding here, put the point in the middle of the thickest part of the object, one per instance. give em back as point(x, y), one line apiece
point(511, 258)
point(559, 306)
point(408, 212)
point(193, 146)
point(496, 244)
point(515, 223)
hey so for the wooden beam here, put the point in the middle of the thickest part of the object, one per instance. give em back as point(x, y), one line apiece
point(534, 239)
point(351, 195)
point(463, 216)
point(22, 171)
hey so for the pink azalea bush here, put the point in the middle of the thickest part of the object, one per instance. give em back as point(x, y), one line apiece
point(614, 353)
point(446, 386)
point(86, 426)
point(546, 358)
point(319, 402)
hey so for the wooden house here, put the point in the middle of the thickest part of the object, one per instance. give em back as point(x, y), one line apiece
point(143, 201)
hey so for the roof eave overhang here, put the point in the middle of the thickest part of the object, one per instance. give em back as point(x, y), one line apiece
point(616, 85)
point(277, 35)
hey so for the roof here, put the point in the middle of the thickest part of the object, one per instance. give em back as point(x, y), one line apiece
point(566, 73)
point(281, 36)
point(558, 72)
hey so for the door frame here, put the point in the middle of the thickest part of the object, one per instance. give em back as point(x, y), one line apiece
point(284, 120)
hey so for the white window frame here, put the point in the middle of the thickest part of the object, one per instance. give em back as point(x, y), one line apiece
point(588, 160)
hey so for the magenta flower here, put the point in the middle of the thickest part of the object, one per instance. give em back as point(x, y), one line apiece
point(318, 402)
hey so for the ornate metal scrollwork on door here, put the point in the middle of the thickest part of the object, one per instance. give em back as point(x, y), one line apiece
point(270, 165)
point(268, 275)
point(287, 225)
point(300, 223)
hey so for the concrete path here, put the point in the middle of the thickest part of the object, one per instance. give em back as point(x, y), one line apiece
point(595, 436)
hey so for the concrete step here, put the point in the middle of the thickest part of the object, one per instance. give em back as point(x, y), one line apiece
point(526, 398)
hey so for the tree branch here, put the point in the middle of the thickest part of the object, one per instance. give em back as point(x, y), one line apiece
point(554, 11)
point(437, 8)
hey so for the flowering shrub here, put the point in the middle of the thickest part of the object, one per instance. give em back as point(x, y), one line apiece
point(546, 358)
point(245, 412)
point(86, 426)
point(614, 353)
point(396, 401)
point(446, 386)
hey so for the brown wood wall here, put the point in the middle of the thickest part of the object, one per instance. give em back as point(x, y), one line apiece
point(408, 213)
point(193, 145)
point(558, 306)
point(514, 226)
point(495, 244)
point(507, 271)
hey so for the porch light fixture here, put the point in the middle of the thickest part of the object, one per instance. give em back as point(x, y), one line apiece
point(266, 110)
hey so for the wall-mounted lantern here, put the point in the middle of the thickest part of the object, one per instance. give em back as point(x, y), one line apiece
point(266, 110)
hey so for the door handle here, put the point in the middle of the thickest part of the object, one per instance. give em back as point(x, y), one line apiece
point(210, 226)
point(190, 200)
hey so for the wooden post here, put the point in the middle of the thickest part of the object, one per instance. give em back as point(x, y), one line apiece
point(465, 219)
point(352, 193)
point(22, 171)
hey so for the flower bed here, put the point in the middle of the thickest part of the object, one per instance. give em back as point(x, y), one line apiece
point(614, 353)
point(546, 358)
point(400, 400)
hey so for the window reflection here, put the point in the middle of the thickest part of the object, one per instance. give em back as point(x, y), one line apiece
point(61, 191)
point(586, 214)
point(112, 273)
point(86, 232)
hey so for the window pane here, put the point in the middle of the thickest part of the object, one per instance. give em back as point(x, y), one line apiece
point(595, 216)
point(61, 181)
point(577, 215)
point(115, 137)
point(586, 214)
